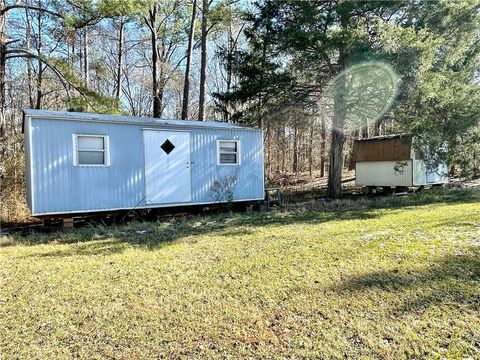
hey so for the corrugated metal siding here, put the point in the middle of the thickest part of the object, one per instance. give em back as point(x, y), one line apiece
point(28, 175)
point(382, 173)
point(61, 187)
point(205, 169)
point(419, 173)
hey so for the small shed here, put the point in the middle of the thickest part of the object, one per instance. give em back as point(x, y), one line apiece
point(392, 161)
point(80, 162)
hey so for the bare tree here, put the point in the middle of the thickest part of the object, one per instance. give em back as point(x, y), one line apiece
point(4, 42)
point(166, 25)
point(118, 78)
point(186, 85)
point(203, 60)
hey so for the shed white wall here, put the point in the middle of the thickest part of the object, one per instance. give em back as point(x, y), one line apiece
point(419, 173)
point(382, 173)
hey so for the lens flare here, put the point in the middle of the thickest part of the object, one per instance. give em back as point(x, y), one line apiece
point(359, 95)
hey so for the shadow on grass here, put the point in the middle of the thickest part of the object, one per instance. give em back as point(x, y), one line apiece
point(451, 279)
point(155, 235)
point(100, 240)
point(90, 248)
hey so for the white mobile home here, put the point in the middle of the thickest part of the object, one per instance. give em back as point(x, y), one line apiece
point(392, 161)
point(81, 162)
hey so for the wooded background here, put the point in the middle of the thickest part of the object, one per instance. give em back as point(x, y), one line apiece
point(269, 64)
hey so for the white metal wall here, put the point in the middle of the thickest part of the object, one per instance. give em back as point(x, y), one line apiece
point(419, 173)
point(60, 187)
point(384, 173)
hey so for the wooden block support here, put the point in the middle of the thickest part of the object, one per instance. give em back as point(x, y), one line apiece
point(67, 224)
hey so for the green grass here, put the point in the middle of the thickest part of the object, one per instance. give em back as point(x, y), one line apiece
point(389, 278)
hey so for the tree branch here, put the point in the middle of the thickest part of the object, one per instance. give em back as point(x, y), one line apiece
point(29, 7)
point(21, 53)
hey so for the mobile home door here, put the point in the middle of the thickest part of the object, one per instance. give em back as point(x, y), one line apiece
point(167, 166)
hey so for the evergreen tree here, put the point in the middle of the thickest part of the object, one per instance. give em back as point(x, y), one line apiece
point(297, 48)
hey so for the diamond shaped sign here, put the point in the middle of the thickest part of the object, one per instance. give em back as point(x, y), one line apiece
point(167, 146)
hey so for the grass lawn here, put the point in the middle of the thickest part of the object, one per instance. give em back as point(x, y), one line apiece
point(392, 278)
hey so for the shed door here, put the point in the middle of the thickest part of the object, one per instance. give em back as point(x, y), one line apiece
point(167, 166)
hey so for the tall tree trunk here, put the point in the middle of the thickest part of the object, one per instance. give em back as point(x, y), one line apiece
point(81, 56)
point(3, 49)
point(203, 62)
point(118, 80)
point(295, 150)
point(28, 35)
point(39, 63)
point(355, 135)
point(38, 104)
point(186, 84)
point(323, 134)
point(162, 84)
point(278, 146)
point(268, 141)
point(231, 46)
point(260, 96)
point(156, 99)
point(86, 63)
point(284, 148)
point(337, 141)
point(310, 153)
point(336, 164)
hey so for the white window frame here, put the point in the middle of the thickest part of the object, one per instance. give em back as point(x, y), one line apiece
point(106, 150)
point(238, 152)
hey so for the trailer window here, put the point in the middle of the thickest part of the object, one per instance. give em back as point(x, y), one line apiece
point(228, 152)
point(91, 150)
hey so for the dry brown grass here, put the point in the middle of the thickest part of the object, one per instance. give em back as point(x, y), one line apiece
point(13, 206)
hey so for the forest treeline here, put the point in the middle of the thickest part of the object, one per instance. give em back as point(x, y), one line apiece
point(280, 65)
